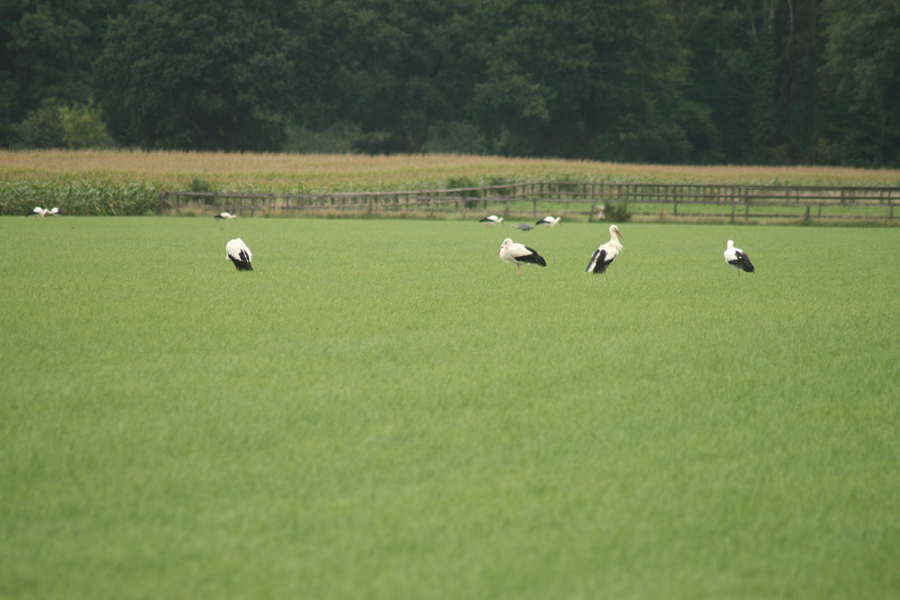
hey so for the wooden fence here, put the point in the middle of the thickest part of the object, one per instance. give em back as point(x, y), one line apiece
point(575, 201)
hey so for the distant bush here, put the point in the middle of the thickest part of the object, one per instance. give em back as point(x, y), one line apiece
point(454, 183)
point(334, 139)
point(53, 125)
point(198, 184)
point(84, 127)
point(617, 212)
point(41, 128)
point(455, 138)
point(376, 143)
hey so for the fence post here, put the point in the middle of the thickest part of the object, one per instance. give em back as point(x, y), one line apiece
point(160, 201)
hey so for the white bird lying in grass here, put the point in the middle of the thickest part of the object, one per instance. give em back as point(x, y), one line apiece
point(225, 215)
point(605, 254)
point(512, 252)
point(237, 252)
point(737, 258)
point(549, 221)
point(491, 220)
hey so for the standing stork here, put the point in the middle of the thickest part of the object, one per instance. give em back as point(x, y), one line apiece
point(225, 216)
point(549, 221)
point(492, 220)
point(605, 254)
point(237, 252)
point(737, 258)
point(512, 252)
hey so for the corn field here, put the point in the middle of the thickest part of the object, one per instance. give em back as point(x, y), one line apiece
point(79, 197)
point(128, 182)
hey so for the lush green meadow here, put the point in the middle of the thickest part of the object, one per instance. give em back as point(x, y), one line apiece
point(384, 409)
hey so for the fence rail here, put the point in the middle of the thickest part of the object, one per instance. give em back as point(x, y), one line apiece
point(572, 200)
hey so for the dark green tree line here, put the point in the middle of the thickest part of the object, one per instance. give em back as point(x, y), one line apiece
point(47, 51)
point(199, 74)
point(674, 81)
point(580, 78)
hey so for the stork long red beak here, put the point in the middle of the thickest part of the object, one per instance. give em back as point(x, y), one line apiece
point(619, 234)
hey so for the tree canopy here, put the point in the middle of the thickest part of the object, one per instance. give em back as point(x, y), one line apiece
point(197, 74)
point(580, 78)
point(674, 81)
point(862, 66)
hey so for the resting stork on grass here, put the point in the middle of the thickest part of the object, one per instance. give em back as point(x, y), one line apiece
point(737, 258)
point(519, 254)
point(492, 220)
point(605, 254)
point(37, 212)
point(237, 252)
point(225, 215)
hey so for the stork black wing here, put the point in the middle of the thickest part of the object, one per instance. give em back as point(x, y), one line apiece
point(598, 262)
point(534, 257)
point(743, 262)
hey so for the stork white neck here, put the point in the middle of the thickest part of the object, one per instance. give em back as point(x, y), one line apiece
point(613, 232)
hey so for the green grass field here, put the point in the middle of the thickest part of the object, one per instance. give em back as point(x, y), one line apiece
point(383, 409)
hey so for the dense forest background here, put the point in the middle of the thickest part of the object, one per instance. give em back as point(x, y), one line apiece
point(780, 82)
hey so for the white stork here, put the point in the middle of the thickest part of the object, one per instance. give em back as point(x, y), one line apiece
point(512, 252)
point(225, 215)
point(38, 212)
point(492, 220)
point(549, 221)
point(237, 252)
point(737, 258)
point(605, 254)
point(55, 212)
